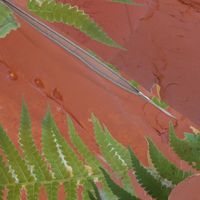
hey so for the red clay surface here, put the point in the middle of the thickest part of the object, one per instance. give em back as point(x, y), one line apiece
point(44, 74)
point(188, 189)
point(33, 67)
point(162, 41)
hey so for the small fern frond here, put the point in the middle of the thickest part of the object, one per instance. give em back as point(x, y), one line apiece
point(30, 151)
point(51, 149)
point(17, 165)
point(164, 167)
point(66, 153)
point(116, 189)
point(115, 154)
point(84, 151)
point(91, 162)
point(122, 151)
point(53, 11)
point(7, 21)
point(151, 185)
point(109, 151)
point(187, 149)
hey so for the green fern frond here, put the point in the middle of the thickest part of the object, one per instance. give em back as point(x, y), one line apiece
point(115, 154)
point(187, 149)
point(30, 151)
point(51, 149)
point(164, 167)
point(121, 150)
point(68, 154)
point(151, 185)
point(63, 158)
point(58, 12)
point(84, 151)
point(116, 189)
point(59, 164)
point(110, 151)
point(17, 165)
point(91, 162)
point(7, 21)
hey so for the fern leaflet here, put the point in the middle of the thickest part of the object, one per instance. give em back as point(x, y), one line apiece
point(151, 185)
point(164, 167)
point(115, 154)
point(27, 144)
point(71, 15)
point(17, 165)
point(7, 21)
point(117, 190)
point(187, 149)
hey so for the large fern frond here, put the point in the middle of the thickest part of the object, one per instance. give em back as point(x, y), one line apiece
point(187, 149)
point(59, 163)
point(58, 12)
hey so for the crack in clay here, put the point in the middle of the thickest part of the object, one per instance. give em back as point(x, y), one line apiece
point(153, 7)
point(129, 19)
point(191, 3)
point(159, 128)
point(167, 86)
point(39, 87)
point(66, 111)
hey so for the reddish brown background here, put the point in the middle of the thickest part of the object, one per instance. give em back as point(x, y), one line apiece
point(162, 41)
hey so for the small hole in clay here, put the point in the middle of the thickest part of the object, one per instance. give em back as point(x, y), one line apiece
point(12, 76)
point(57, 94)
point(39, 83)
